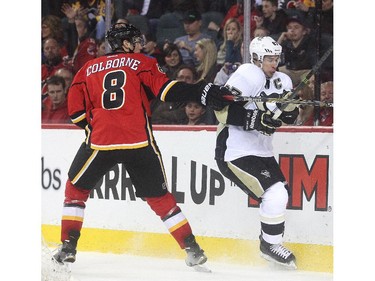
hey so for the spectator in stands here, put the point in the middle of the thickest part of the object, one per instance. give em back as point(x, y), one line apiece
point(53, 58)
point(52, 28)
point(274, 19)
point(67, 74)
point(173, 112)
point(54, 107)
point(94, 10)
point(86, 48)
point(195, 113)
point(53, 61)
point(230, 50)
point(151, 48)
point(293, 7)
point(187, 74)
point(81, 36)
point(228, 69)
point(172, 59)
point(236, 11)
point(186, 43)
point(100, 47)
point(261, 31)
point(306, 116)
point(299, 48)
point(225, 72)
point(206, 55)
point(306, 93)
point(326, 113)
point(307, 9)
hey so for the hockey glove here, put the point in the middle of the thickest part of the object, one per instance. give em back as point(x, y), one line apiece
point(214, 96)
point(289, 117)
point(276, 108)
point(260, 121)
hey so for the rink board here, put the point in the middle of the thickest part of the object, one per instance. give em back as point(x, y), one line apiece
point(225, 221)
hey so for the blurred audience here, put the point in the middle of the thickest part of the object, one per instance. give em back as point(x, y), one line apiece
point(75, 34)
point(236, 11)
point(94, 10)
point(230, 50)
point(307, 9)
point(68, 76)
point(55, 107)
point(299, 48)
point(172, 60)
point(195, 113)
point(261, 31)
point(53, 61)
point(206, 56)
point(151, 48)
point(273, 18)
point(100, 47)
point(81, 35)
point(52, 28)
point(325, 114)
point(192, 25)
point(173, 112)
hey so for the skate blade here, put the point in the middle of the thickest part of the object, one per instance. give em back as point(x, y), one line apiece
point(290, 265)
point(201, 268)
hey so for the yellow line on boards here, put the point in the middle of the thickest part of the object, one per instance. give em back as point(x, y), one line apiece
point(310, 257)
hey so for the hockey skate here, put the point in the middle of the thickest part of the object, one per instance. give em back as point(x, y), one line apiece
point(277, 253)
point(66, 252)
point(195, 255)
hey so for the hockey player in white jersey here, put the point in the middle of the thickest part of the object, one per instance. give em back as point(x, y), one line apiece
point(244, 151)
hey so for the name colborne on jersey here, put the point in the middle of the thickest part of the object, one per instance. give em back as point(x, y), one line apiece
point(114, 63)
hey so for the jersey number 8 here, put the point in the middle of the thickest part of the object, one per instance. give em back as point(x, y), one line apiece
point(113, 96)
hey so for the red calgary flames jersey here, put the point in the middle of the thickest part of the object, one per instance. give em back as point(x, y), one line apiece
point(107, 92)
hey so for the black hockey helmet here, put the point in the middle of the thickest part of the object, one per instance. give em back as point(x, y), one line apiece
point(123, 31)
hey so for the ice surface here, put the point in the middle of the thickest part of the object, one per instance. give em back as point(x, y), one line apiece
point(92, 266)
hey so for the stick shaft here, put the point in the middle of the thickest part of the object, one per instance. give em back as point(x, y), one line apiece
point(305, 80)
point(284, 101)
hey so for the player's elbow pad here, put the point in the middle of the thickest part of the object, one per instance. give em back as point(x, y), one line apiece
point(233, 114)
point(181, 91)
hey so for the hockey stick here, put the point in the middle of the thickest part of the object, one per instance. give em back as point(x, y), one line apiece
point(305, 80)
point(286, 101)
point(302, 84)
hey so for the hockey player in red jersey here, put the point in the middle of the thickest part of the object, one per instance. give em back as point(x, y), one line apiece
point(106, 99)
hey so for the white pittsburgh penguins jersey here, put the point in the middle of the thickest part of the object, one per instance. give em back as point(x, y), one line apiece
point(249, 80)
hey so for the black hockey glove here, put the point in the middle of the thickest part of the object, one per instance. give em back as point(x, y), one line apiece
point(260, 121)
point(214, 96)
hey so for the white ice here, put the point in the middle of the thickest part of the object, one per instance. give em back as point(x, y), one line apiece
point(91, 266)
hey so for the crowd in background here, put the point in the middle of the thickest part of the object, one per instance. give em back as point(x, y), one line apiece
point(191, 40)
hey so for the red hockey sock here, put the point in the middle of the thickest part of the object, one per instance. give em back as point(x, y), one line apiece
point(73, 211)
point(175, 221)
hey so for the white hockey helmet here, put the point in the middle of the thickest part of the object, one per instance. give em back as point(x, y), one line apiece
point(264, 46)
